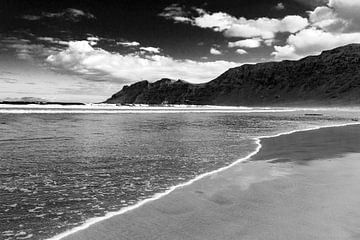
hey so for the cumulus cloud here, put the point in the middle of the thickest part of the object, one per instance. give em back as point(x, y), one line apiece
point(333, 25)
point(337, 16)
point(312, 41)
point(217, 21)
point(81, 58)
point(231, 26)
point(241, 51)
point(266, 28)
point(93, 40)
point(348, 10)
point(280, 6)
point(129, 44)
point(247, 43)
point(176, 13)
point(52, 40)
point(215, 51)
point(150, 49)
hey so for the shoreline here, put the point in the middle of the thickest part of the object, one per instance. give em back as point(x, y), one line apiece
point(257, 141)
point(70, 111)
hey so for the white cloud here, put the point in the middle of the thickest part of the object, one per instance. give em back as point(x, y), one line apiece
point(312, 41)
point(176, 13)
point(150, 49)
point(215, 51)
point(329, 25)
point(81, 58)
point(333, 25)
point(327, 19)
point(347, 10)
point(241, 51)
point(129, 44)
point(280, 6)
point(270, 42)
point(52, 40)
point(266, 28)
point(247, 43)
point(218, 21)
point(231, 26)
point(337, 16)
point(93, 40)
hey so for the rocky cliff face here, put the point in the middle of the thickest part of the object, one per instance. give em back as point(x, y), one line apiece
point(330, 78)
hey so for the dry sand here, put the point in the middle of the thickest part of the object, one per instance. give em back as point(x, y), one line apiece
point(300, 186)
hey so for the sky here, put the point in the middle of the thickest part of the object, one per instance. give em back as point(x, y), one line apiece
point(88, 50)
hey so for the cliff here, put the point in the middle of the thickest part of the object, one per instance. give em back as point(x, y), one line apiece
point(333, 77)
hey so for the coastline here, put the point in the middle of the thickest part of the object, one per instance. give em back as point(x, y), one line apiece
point(158, 196)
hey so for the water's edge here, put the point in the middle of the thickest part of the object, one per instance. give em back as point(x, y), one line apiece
point(257, 141)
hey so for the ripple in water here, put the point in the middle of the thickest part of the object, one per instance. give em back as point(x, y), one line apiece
point(58, 170)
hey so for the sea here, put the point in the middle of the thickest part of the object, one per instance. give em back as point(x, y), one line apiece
point(61, 167)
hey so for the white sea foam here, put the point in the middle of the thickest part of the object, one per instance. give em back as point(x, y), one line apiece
point(114, 106)
point(142, 108)
point(138, 110)
point(257, 141)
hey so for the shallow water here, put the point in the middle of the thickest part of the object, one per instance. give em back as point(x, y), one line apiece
point(59, 169)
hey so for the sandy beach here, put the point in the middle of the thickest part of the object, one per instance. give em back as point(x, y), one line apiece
point(303, 185)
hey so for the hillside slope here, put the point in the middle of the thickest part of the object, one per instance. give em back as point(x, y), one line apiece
point(333, 77)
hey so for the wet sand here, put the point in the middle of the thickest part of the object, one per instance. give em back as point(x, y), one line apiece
point(299, 186)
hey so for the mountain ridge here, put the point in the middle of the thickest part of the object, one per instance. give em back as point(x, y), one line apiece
point(333, 77)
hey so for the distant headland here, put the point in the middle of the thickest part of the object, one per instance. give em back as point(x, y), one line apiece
point(37, 101)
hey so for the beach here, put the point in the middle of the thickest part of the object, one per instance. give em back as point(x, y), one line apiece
point(302, 185)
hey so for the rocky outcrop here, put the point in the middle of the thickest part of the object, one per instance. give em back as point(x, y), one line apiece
point(333, 77)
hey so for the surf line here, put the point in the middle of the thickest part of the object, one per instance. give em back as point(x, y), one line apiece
point(257, 141)
point(95, 111)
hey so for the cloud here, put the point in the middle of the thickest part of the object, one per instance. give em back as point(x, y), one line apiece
point(333, 25)
point(348, 10)
point(280, 6)
point(69, 14)
point(31, 17)
point(247, 43)
point(95, 63)
point(312, 41)
point(270, 42)
point(24, 49)
point(231, 26)
point(215, 51)
point(150, 49)
point(52, 40)
point(176, 13)
point(241, 51)
point(327, 19)
point(337, 16)
point(129, 44)
point(93, 40)
point(217, 21)
point(266, 28)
